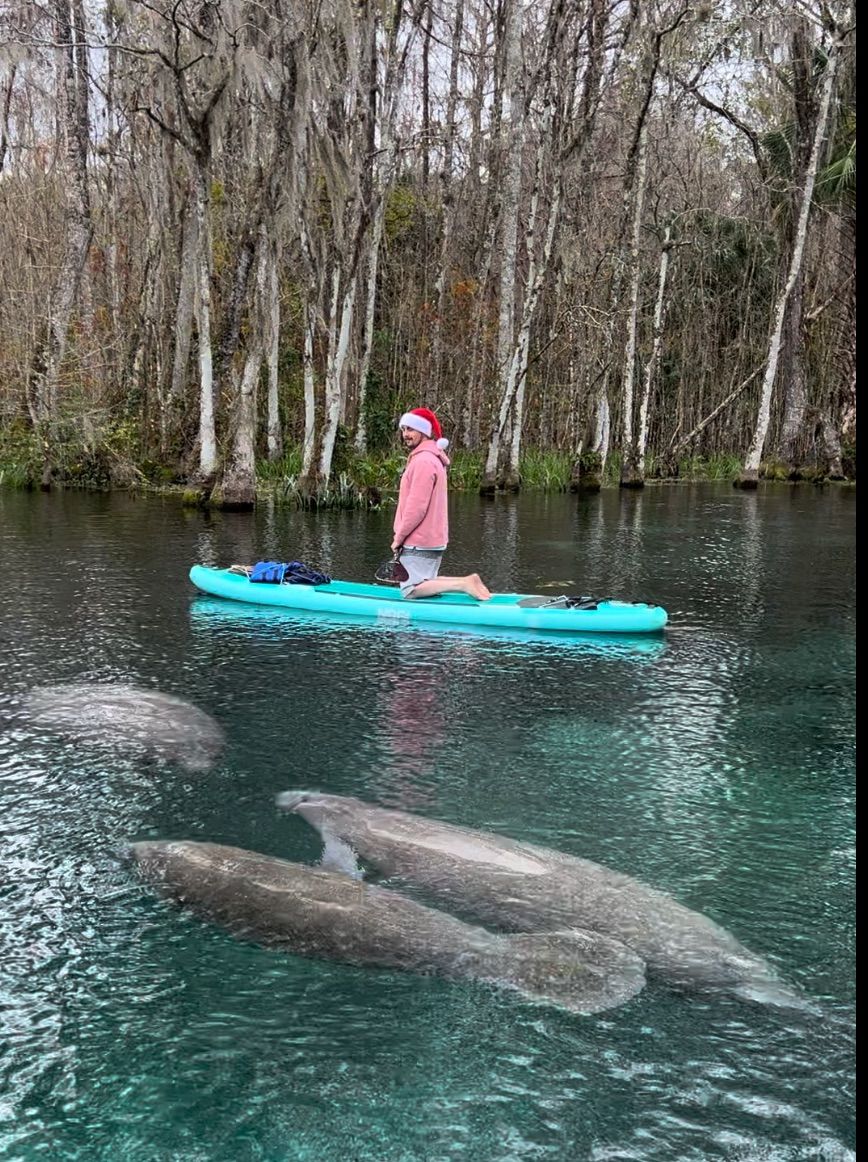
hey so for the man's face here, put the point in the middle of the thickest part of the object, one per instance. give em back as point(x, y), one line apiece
point(411, 438)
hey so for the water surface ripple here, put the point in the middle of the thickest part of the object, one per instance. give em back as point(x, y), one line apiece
point(715, 762)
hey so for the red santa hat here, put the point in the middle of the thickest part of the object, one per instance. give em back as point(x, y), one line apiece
point(424, 421)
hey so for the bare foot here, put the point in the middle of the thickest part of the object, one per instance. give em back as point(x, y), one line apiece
point(478, 588)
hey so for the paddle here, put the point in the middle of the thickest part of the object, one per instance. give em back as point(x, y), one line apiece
point(392, 571)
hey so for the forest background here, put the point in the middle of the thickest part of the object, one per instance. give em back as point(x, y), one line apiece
point(606, 240)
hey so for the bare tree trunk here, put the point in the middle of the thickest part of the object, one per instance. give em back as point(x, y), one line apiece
point(271, 336)
point(512, 135)
point(602, 430)
point(656, 343)
point(309, 443)
point(8, 88)
point(537, 272)
point(792, 372)
point(631, 468)
point(426, 95)
point(147, 340)
point(447, 194)
point(340, 330)
point(207, 430)
point(843, 404)
point(750, 472)
point(361, 439)
point(111, 178)
point(677, 444)
point(381, 172)
point(73, 99)
point(237, 489)
point(184, 311)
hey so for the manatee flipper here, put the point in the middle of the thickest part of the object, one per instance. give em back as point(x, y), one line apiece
point(583, 972)
point(338, 856)
point(779, 996)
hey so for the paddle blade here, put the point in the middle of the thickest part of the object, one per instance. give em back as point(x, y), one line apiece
point(392, 572)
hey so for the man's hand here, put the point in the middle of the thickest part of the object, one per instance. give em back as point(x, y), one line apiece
point(396, 546)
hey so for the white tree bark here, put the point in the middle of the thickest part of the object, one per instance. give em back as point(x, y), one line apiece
point(395, 56)
point(361, 438)
point(207, 431)
point(271, 336)
point(602, 430)
point(538, 269)
point(656, 344)
point(339, 345)
point(447, 196)
point(74, 127)
point(238, 486)
point(184, 310)
point(629, 370)
point(512, 136)
point(309, 444)
point(750, 472)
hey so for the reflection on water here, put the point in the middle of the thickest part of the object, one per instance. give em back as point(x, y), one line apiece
point(205, 611)
point(716, 763)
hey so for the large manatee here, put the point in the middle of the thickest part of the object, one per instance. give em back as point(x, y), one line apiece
point(320, 913)
point(128, 717)
point(520, 887)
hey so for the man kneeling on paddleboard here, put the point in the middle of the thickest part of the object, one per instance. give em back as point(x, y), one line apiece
point(421, 528)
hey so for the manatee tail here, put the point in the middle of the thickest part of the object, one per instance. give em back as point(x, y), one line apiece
point(778, 995)
point(583, 972)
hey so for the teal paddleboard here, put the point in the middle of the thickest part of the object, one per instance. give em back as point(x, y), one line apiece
point(385, 604)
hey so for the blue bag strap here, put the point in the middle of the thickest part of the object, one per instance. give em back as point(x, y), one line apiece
point(298, 573)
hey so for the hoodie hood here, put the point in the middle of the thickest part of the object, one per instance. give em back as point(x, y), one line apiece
point(430, 446)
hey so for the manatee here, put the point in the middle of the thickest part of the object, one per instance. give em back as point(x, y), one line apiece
point(128, 718)
point(315, 912)
point(520, 887)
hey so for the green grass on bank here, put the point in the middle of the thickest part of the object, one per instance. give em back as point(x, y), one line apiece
point(356, 481)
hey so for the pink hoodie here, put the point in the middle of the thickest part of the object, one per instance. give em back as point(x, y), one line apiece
point(421, 519)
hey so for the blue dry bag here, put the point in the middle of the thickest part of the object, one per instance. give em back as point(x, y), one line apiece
point(271, 571)
point(294, 573)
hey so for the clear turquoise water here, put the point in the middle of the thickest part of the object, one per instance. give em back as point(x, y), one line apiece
point(717, 763)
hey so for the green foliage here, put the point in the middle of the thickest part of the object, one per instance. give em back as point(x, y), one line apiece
point(342, 492)
point(158, 475)
point(612, 472)
point(290, 369)
point(278, 471)
point(20, 457)
point(343, 450)
point(591, 462)
point(375, 473)
point(729, 247)
point(545, 471)
point(109, 457)
point(466, 471)
point(723, 467)
point(848, 460)
point(775, 470)
point(837, 182)
point(401, 205)
point(382, 409)
point(357, 481)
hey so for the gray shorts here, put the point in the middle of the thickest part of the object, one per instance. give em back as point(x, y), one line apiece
point(421, 565)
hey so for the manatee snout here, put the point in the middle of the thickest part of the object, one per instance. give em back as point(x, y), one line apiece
point(310, 805)
point(289, 800)
point(298, 801)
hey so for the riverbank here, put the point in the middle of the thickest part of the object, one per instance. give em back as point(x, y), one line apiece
point(357, 482)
